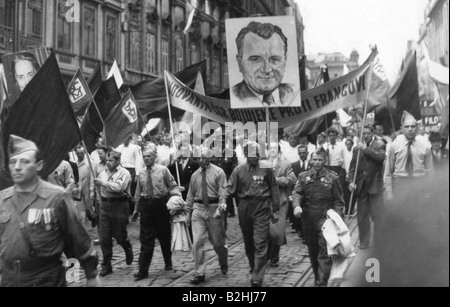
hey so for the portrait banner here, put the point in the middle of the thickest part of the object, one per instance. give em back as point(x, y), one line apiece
point(344, 92)
point(20, 68)
point(263, 62)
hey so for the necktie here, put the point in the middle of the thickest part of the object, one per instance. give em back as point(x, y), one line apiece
point(268, 99)
point(409, 162)
point(150, 183)
point(204, 188)
point(302, 165)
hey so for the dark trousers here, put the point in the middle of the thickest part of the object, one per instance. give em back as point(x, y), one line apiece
point(155, 223)
point(52, 275)
point(254, 219)
point(317, 245)
point(369, 207)
point(113, 224)
point(296, 223)
point(347, 196)
point(132, 188)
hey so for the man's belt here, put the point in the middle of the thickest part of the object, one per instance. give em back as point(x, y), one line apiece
point(145, 198)
point(259, 198)
point(114, 199)
point(31, 264)
point(210, 201)
point(406, 178)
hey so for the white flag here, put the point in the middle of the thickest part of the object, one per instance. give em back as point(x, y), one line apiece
point(191, 10)
point(115, 71)
point(438, 72)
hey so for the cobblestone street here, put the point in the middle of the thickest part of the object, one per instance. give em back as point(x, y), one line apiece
point(294, 269)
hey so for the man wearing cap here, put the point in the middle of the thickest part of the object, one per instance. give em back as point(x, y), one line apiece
point(440, 155)
point(38, 223)
point(409, 160)
point(206, 190)
point(258, 197)
point(155, 185)
point(317, 191)
point(114, 185)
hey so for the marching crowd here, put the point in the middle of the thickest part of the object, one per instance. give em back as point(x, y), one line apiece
point(40, 220)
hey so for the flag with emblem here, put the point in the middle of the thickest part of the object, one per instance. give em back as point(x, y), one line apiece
point(122, 121)
point(43, 114)
point(79, 93)
point(106, 98)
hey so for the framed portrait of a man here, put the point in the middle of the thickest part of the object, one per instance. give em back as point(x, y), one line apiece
point(20, 68)
point(263, 62)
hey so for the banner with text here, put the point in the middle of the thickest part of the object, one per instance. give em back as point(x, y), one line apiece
point(344, 92)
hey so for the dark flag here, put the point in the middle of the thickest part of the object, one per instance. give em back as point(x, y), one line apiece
point(95, 80)
point(122, 121)
point(43, 113)
point(150, 95)
point(404, 94)
point(79, 93)
point(107, 97)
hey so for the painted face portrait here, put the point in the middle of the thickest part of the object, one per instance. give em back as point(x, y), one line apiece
point(262, 71)
point(262, 63)
point(24, 68)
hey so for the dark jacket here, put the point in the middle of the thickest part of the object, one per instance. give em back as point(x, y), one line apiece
point(298, 170)
point(185, 175)
point(370, 170)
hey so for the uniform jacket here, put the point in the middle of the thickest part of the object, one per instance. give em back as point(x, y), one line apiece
point(318, 191)
point(52, 225)
point(370, 171)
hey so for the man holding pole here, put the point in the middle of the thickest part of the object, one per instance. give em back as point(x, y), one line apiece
point(368, 186)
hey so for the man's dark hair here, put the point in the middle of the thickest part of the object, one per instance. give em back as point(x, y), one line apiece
point(321, 152)
point(102, 147)
point(332, 130)
point(435, 137)
point(264, 30)
point(369, 127)
point(303, 147)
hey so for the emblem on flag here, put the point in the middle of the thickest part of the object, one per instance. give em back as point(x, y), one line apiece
point(130, 110)
point(76, 91)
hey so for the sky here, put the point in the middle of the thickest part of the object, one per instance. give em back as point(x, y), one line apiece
point(344, 25)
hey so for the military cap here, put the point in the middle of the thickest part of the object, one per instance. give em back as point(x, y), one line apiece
point(407, 116)
point(114, 153)
point(435, 137)
point(18, 145)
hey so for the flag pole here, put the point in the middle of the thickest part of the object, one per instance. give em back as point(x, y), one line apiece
point(268, 132)
point(390, 113)
point(87, 152)
point(171, 126)
point(358, 158)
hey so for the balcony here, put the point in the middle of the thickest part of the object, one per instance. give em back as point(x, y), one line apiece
point(27, 40)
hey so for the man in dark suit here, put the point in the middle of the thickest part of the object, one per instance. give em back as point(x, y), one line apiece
point(186, 167)
point(262, 57)
point(368, 187)
point(299, 167)
point(303, 164)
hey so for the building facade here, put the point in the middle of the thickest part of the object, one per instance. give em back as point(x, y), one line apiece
point(145, 36)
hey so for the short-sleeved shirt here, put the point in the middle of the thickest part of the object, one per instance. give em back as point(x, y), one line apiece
point(117, 182)
point(164, 185)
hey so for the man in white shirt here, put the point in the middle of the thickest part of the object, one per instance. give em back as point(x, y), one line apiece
point(166, 152)
point(131, 159)
point(336, 155)
point(289, 148)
